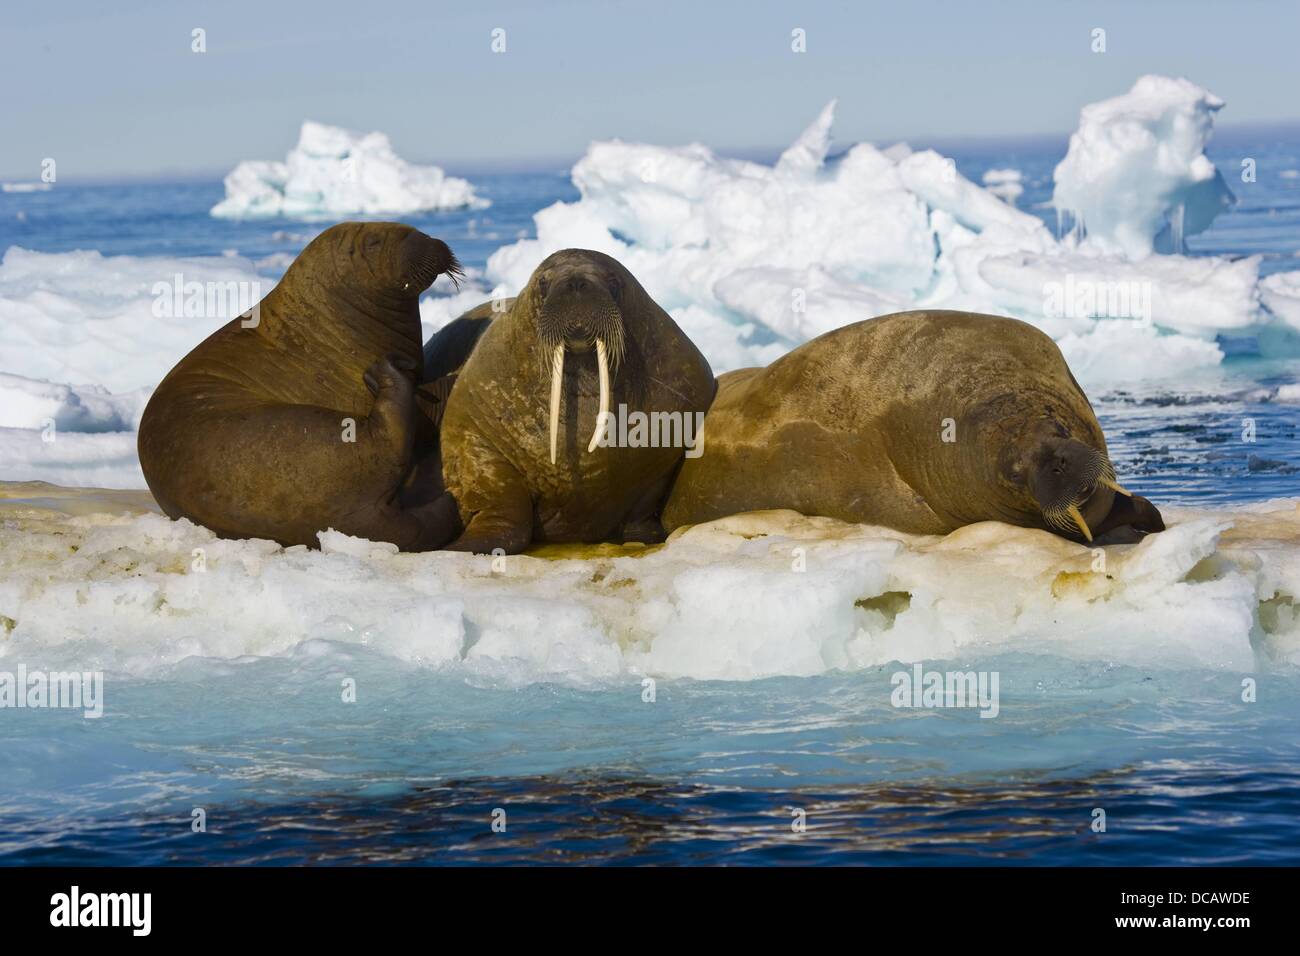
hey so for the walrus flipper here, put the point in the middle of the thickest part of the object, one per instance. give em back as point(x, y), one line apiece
point(431, 398)
point(507, 526)
point(423, 484)
point(1132, 512)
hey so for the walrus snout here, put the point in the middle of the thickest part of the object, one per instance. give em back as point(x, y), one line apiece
point(1074, 486)
point(578, 310)
point(424, 258)
point(578, 313)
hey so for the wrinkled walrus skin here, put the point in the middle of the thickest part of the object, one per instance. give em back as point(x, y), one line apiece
point(918, 421)
point(247, 435)
point(522, 475)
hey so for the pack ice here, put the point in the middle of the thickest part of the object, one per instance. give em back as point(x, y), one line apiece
point(752, 259)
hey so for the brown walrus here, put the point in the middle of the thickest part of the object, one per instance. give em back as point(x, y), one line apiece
point(918, 421)
point(584, 332)
point(300, 415)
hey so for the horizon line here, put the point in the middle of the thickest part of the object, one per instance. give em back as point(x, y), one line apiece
point(560, 165)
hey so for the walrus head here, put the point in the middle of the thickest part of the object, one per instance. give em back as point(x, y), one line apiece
point(576, 298)
point(1073, 484)
point(390, 261)
point(353, 294)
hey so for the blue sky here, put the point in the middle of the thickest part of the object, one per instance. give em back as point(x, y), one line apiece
point(112, 89)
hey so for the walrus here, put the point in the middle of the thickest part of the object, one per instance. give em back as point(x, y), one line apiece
point(444, 354)
point(523, 470)
point(918, 421)
point(301, 414)
point(450, 347)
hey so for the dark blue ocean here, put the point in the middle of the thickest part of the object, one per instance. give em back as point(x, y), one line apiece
point(716, 772)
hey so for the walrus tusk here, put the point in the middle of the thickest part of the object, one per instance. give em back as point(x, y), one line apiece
point(1074, 512)
point(557, 380)
point(1115, 486)
point(602, 365)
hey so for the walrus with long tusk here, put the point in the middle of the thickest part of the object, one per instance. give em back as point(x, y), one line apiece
point(301, 415)
point(918, 421)
point(533, 449)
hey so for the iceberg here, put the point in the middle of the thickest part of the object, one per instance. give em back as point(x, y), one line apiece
point(1137, 168)
point(333, 173)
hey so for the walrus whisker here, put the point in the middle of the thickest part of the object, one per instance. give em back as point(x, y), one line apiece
point(1077, 517)
point(602, 365)
point(454, 271)
point(557, 381)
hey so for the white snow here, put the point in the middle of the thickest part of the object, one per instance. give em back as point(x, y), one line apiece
point(1137, 165)
point(751, 596)
point(333, 172)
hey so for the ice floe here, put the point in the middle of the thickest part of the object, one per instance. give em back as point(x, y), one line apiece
point(750, 596)
point(333, 172)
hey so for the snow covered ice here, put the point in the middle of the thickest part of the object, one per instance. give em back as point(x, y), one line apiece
point(82, 317)
point(333, 173)
point(766, 594)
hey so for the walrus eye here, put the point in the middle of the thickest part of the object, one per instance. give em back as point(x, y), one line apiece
point(543, 287)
